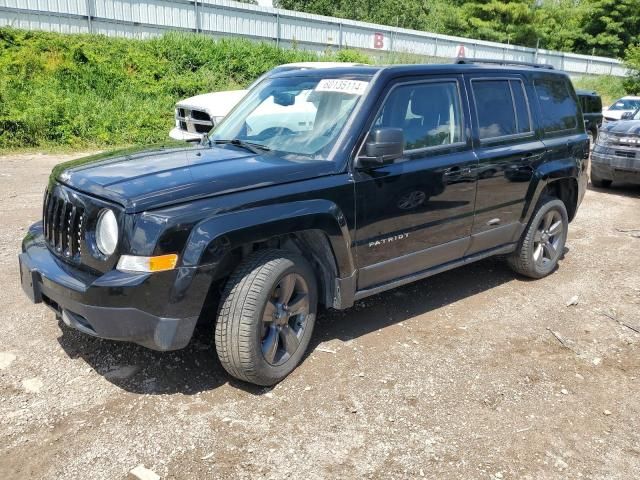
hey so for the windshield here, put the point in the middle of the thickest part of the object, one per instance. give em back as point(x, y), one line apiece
point(295, 116)
point(625, 104)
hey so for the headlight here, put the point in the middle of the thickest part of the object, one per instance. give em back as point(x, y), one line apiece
point(632, 139)
point(107, 232)
point(604, 138)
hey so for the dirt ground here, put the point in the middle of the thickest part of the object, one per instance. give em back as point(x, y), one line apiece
point(475, 373)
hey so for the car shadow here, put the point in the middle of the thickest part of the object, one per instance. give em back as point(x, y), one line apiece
point(400, 304)
point(196, 368)
point(137, 369)
point(621, 189)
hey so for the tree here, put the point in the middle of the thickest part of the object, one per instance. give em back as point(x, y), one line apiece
point(440, 16)
point(632, 60)
point(609, 27)
point(558, 23)
point(501, 21)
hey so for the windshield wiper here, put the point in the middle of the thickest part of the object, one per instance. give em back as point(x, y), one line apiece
point(251, 146)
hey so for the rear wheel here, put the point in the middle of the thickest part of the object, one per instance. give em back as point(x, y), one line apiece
point(543, 242)
point(266, 316)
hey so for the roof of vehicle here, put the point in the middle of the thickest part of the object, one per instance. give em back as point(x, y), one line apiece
point(585, 93)
point(419, 69)
point(321, 64)
point(628, 97)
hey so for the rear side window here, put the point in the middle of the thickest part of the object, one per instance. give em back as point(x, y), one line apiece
point(502, 108)
point(558, 107)
point(594, 105)
point(428, 113)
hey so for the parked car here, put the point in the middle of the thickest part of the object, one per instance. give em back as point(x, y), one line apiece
point(616, 156)
point(591, 104)
point(628, 104)
point(196, 116)
point(405, 172)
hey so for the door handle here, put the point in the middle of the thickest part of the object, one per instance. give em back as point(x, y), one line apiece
point(532, 156)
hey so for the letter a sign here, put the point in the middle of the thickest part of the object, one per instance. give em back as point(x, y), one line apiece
point(460, 52)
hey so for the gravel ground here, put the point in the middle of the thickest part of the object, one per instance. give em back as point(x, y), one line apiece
point(474, 373)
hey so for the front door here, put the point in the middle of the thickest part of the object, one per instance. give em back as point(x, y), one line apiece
point(417, 212)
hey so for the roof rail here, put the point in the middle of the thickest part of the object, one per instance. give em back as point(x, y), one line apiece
point(464, 61)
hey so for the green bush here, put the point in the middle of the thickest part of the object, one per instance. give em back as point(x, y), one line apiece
point(92, 90)
point(608, 87)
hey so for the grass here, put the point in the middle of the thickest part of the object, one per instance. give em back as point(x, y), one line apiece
point(608, 87)
point(91, 91)
point(66, 92)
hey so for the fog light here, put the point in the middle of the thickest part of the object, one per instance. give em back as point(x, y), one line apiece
point(160, 263)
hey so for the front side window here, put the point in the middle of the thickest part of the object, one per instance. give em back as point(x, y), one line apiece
point(559, 108)
point(428, 114)
point(299, 117)
point(502, 108)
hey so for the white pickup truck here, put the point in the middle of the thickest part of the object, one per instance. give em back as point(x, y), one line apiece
point(197, 115)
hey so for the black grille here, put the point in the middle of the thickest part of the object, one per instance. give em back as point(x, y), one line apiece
point(202, 128)
point(625, 153)
point(198, 115)
point(63, 225)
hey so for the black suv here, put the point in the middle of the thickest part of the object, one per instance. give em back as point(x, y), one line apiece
point(591, 104)
point(616, 156)
point(321, 187)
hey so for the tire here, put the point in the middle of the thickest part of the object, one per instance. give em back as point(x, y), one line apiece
point(540, 248)
point(251, 348)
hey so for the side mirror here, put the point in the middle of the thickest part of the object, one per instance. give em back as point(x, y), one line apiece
point(383, 146)
point(627, 116)
point(284, 99)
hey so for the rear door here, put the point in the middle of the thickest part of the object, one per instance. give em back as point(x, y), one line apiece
point(508, 150)
point(561, 123)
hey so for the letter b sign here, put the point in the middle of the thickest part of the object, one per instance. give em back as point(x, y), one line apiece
point(378, 40)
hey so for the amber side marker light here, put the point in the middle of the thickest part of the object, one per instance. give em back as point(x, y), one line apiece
point(160, 263)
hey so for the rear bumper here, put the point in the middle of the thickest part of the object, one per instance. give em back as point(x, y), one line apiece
point(607, 165)
point(111, 306)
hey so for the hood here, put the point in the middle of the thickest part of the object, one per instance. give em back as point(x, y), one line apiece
point(216, 104)
point(160, 176)
point(622, 127)
point(614, 114)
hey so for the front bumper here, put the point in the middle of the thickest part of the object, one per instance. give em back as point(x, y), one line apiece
point(178, 134)
point(113, 306)
point(616, 164)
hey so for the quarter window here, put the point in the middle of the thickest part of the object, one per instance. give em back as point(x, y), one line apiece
point(502, 108)
point(559, 108)
point(429, 114)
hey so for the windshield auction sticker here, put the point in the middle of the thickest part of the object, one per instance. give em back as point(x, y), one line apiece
point(351, 87)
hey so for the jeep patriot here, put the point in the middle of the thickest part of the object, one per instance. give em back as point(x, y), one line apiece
point(402, 172)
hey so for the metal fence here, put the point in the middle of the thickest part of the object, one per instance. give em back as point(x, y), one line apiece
point(145, 18)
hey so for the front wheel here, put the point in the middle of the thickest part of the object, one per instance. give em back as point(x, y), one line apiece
point(266, 316)
point(543, 242)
